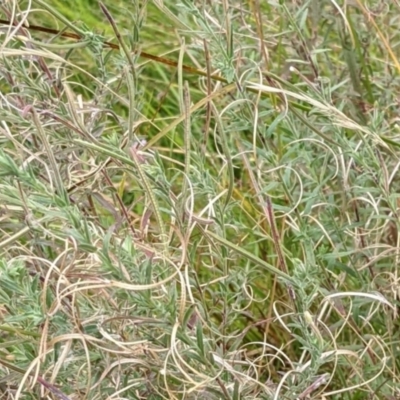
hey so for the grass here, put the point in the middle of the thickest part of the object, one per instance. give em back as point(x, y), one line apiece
point(199, 200)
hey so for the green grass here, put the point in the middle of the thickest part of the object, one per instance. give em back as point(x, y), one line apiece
point(224, 227)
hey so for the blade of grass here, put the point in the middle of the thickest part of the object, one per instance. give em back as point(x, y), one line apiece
point(250, 256)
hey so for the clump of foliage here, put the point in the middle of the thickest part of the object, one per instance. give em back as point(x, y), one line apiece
point(199, 200)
